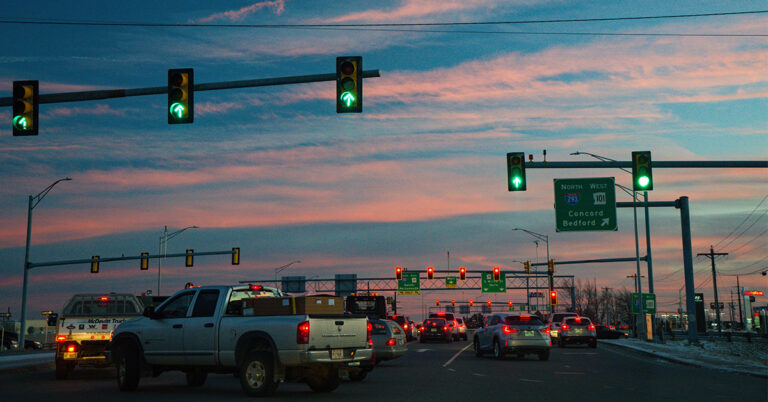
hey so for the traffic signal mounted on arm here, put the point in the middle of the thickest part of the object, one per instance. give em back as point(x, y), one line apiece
point(349, 84)
point(181, 96)
point(516, 171)
point(527, 266)
point(551, 266)
point(399, 273)
point(642, 174)
point(144, 261)
point(553, 297)
point(95, 264)
point(430, 273)
point(25, 107)
point(235, 255)
point(462, 273)
point(189, 259)
point(496, 274)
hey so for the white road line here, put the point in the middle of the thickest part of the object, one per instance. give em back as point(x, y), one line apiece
point(456, 355)
point(422, 350)
point(527, 380)
point(568, 373)
point(450, 369)
point(479, 375)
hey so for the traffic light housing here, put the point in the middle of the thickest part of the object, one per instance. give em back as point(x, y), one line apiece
point(52, 318)
point(181, 96)
point(553, 297)
point(516, 171)
point(471, 302)
point(453, 302)
point(642, 173)
point(510, 304)
point(349, 84)
point(496, 274)
point(235, 255)
point(144, 261)
point(94, 264)
point(527, 266)
point(399, 273)
point(189, 259)
point(430, 273)
point(551, 266)
point(462, 273)
point(25, 107)
point(489, 304)
point(437, 303)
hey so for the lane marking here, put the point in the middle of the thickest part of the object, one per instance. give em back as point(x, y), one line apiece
point(456, 355)
point(568, 373)
point(527, 380)
point(479, 375)
point(450, 369)
point(582, 353)
point(422, 350)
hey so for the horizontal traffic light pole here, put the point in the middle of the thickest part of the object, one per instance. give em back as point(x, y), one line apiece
point(655, 164)
point(139, 257)
point(623, 259)
point(212, 86)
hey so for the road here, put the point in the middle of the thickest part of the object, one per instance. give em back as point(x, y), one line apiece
point(431, 372)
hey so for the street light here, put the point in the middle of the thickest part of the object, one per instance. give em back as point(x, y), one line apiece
point(33, 201)
point(281, 268)
point(163, 248)
point(545, 238)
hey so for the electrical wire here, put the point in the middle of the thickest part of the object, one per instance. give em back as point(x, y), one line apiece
point(742, 222)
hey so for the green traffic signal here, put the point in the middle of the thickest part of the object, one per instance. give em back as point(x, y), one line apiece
point(516, 171)
point(180, 96)
point(25, 107)
point(349, 84)
point(642, 175)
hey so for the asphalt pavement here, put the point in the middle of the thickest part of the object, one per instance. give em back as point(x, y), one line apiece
point(429, 372)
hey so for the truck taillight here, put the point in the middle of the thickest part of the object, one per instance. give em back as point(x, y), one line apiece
point(71, 348)
point(591, 327)
point(302, 333)
point(369, 335)
point(391, 342)
point(61, 338)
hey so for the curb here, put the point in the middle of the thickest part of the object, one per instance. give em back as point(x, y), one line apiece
point(686, 362)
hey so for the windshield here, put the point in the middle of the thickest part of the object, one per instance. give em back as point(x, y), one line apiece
point(522, 320)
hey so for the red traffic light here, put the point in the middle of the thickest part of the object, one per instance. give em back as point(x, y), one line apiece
point(471, 303)
point(510, 303)
point(553, 297)
point(430, 272)
point(453, 302)
point(437, 303)
point(462, 273)
point(399, 273)
point(496, 274)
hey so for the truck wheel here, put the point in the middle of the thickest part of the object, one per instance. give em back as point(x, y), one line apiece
point(63, 369)
point(323, 379)
point(257, 374)
point(128, 368)
point(196, 377)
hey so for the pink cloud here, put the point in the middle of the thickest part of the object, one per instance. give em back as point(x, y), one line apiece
point(414, 8)
point(96, 110)
point(277, 7)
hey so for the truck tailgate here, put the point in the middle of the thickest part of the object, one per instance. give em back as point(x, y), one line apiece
point(332, 332)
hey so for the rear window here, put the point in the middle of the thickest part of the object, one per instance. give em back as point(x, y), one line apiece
point(379, 328)
point(434, 322)
point(522, 320)
point(460, 321)
point(557, 317)
point(396, 329)
point(91, 305)
point(447, 316)
point(581, 322)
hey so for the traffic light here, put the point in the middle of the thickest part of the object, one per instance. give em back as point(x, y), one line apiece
point(189, 259)
point(25, 107)
point(527, 266)
point(94, 264)
point(181, 96)
point(430, 273)
point(471, 303)
point(437, 303)
point(642, 175)
point(399, 273)
point(235, 255)
point(489, 304)
point(516, 171)
point(496, 274)
point(144, 261)
point(551, 266)
point(349, 84)
point(553, 297)
point(462, 273)
point(52, 318)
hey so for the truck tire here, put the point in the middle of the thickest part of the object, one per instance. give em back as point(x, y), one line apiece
point(63, 369)
point(257, 374)
point(128, 369)
point(196, 377)
point(325, 379)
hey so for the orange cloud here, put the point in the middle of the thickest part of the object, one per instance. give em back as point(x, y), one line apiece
point(277, 7)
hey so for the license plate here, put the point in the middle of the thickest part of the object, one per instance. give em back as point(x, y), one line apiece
point(433, 330)
point(528, 333)
point(578, 330)
point(72, 355)
point(337, 354)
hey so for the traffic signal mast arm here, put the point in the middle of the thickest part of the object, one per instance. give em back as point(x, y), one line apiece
point(212, 86)
point(656, 164)
point(123, 258)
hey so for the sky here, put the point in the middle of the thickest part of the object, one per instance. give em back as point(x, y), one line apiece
point(420, 173)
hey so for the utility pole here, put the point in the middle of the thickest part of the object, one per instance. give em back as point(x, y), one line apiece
point(739, 295)
point(634, 277)
point(711, 256)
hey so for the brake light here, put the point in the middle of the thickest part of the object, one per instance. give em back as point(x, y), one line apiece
point(391, 342)
point(369, 334)
point(61, 338)
point(71, 348)
point(591, 327)
point(507, 330)
point(434, 324)
point(104, 298)
point(405, 326)
point(445, 327)
point(565, 327)
point(257, 288)
point(302, 333)
point(578, 319)
point(545, 331)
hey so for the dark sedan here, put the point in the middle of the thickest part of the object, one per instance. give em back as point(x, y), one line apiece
point(605, 332)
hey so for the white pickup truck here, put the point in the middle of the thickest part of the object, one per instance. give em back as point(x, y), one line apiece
point(205, 330)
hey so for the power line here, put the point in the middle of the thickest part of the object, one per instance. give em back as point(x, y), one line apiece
point(747, 228)
point(750, 241)
point(742, 222)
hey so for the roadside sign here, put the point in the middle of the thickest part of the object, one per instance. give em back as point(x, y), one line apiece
point(491, 286)
point(46, 312)
point(585, 204)
point(536, 294)
point(410, 285)
point(450, 281)
point(753, 293)
point(647, 305)
point(5, 315)
point(720, 305)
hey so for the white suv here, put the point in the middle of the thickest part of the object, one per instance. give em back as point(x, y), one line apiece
point(555, 319)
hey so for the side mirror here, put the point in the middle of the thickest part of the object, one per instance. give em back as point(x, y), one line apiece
point(149, 311)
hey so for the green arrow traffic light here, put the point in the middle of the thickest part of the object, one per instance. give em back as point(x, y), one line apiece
point(348, 98)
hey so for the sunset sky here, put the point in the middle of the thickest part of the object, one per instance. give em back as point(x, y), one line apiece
point(275, 171)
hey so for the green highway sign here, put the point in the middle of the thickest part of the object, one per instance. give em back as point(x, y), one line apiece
point(648, 303)
point(450, 281)
point(491, 286)
point(585, 204)
point(410, 285)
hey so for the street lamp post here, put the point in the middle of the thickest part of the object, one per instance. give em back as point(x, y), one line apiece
point(33, 201)
point(281, 268)
point(545, 238)
point(163, 248)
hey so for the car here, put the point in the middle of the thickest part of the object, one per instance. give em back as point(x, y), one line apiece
point(555, 320)
point(404, 325)
point(388, 340)
point(462, 328)
point(436, 329)
point(608, 332)
point(451, 319)
point(519, 334)
point(9, 344)
point(576, 330)
point(14, 339)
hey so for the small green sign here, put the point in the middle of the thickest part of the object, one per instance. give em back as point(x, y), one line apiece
point(491, 286)
point(522, 307)
point(450, 281)
point(648, 303)
point(410, 285)
point(585, 204)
